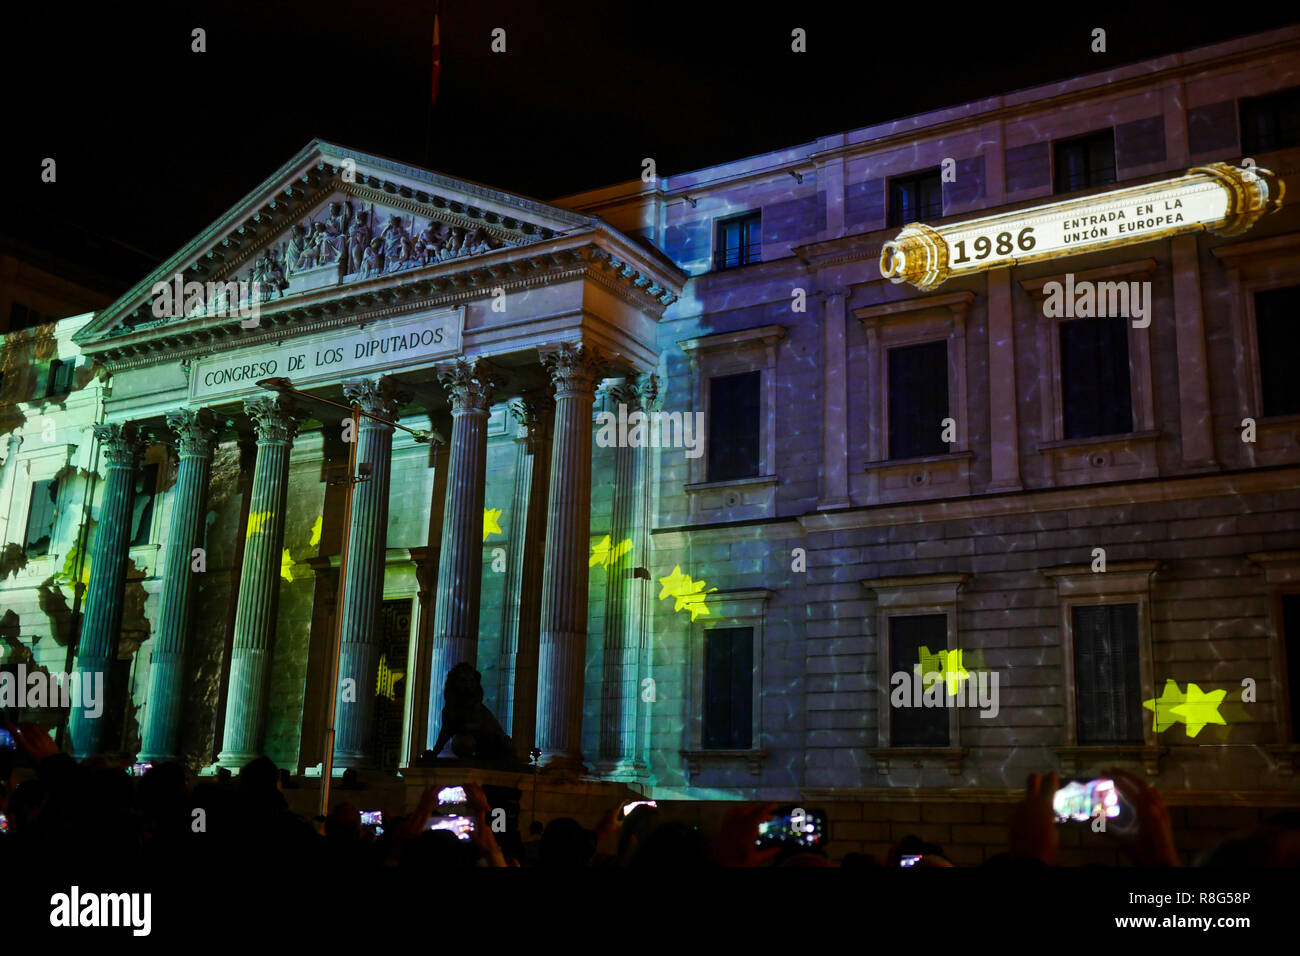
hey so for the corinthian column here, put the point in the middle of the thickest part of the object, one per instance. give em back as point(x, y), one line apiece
point(460, 562)
point(109, 559)
point(575, 371)
point(363, 578)
point(625, 612)
point(259, 582)
point(195, 437)
point(517, 680)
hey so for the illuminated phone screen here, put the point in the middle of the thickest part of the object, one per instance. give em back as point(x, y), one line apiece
point(1080, 800)
point(461, 826)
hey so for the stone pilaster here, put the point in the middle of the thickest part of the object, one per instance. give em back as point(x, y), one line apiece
point(363, 574)
point(460, 562)
point(259, 582)
point(517, 674)
point(626, 633)
point(196, 436)
point(575, 371)
point(110, 557)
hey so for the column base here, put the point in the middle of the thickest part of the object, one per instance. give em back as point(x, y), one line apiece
point(233, 761)
point(570, 763)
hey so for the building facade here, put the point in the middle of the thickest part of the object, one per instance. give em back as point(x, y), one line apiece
point(1088, 522)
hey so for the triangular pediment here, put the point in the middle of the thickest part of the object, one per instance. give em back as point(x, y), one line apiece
point(333, 216)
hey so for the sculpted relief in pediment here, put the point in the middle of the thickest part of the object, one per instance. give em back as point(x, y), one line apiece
point(350, 241)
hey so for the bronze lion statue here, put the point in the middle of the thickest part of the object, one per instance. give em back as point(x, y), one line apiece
point(467, 723)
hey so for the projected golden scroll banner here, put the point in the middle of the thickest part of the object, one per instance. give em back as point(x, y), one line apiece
point(1219, 198)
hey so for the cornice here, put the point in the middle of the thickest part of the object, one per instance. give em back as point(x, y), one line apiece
point(412, 291)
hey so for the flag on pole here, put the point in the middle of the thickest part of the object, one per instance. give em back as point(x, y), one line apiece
point(437, 52)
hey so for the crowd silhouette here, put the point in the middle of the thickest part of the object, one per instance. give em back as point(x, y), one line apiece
point(92, 811)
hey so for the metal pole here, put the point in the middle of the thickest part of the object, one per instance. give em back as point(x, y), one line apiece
point(327, 762)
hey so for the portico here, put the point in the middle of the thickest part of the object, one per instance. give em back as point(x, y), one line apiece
point(429, 301)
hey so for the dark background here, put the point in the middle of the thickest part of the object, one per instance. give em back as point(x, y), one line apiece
point(153, 142)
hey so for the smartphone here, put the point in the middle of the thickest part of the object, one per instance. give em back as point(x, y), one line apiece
point(4, 823)
point(639, 803)
point(1079, 801)
point(139, 769)
point(372, 818)
point(910, 859)
point(461, 826)
point(793, 827)
point(6, 740)
point(450, 795)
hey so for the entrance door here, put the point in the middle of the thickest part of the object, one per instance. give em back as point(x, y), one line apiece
point(390, 688)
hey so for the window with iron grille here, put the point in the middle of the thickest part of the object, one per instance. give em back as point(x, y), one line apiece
point(1291, 641)
point(40, 517)
point(915, 198)
point(728, 688)
point(738, 242)
point(60, 382)
point(1107, 673)
point(1277, 330)
point(146, 490)
point(1270, 122)
point(1084, 162)
point(917, 726)
point(1096, 398)
point(735, 427)
point(918, 399)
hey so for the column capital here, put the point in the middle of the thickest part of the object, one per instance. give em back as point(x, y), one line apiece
point(195, 431)
point(640, 393)
point(574, 367)
point(376, 396)
point(535, 413)
point(121, 443)
point(274, 419)
point(469, 384)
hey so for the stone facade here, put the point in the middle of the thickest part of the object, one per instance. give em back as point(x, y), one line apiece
point(815, 552)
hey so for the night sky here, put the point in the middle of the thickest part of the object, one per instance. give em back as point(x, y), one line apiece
point(153, 142)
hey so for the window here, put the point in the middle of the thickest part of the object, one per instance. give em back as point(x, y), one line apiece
point(915, 198)
point(735, 406)
point(1084, 162)
point(913, 613)
point(728, 688)
point(60, 382)
point(1270, 122)
point(1107, 673)
point(917, 726)
point(724, 726)
point(1291, 639)
point(1095, 395)
point(1277, 328)
point(24, 317)
point(918, 399)
point(738, 242)
point(40, 517)
point(1105, 622)
point(146, 487)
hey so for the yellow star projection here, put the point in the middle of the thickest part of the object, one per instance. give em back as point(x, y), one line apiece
point(607, 553)
point(315, 531)
point(491, 522)
point(257, 522)
point(689, 594)
point(386, 685)
point(947, 663)
point(286, 566)
point(1201, 709)
point(1194, 708)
